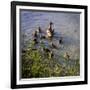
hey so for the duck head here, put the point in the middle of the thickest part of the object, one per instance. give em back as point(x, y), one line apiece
point(51, 23)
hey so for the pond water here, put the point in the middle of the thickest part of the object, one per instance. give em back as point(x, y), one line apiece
point(66, 25)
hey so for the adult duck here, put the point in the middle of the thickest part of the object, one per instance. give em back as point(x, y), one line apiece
point(50, 30)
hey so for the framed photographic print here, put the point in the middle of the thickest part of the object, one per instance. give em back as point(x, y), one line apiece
point(48, 44)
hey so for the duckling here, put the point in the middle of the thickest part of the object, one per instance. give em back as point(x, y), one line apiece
point(35, 34)
point(42, 37)
point(39, 30)
point(51, 54)
point(35, 41)
point(46, 49)
point(23, 51)
point(66, 56)
point(53, 45)
point(61, 40)
point(34, 49)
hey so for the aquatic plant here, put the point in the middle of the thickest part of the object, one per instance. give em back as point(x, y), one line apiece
point(35, 64)
point(39, 60)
